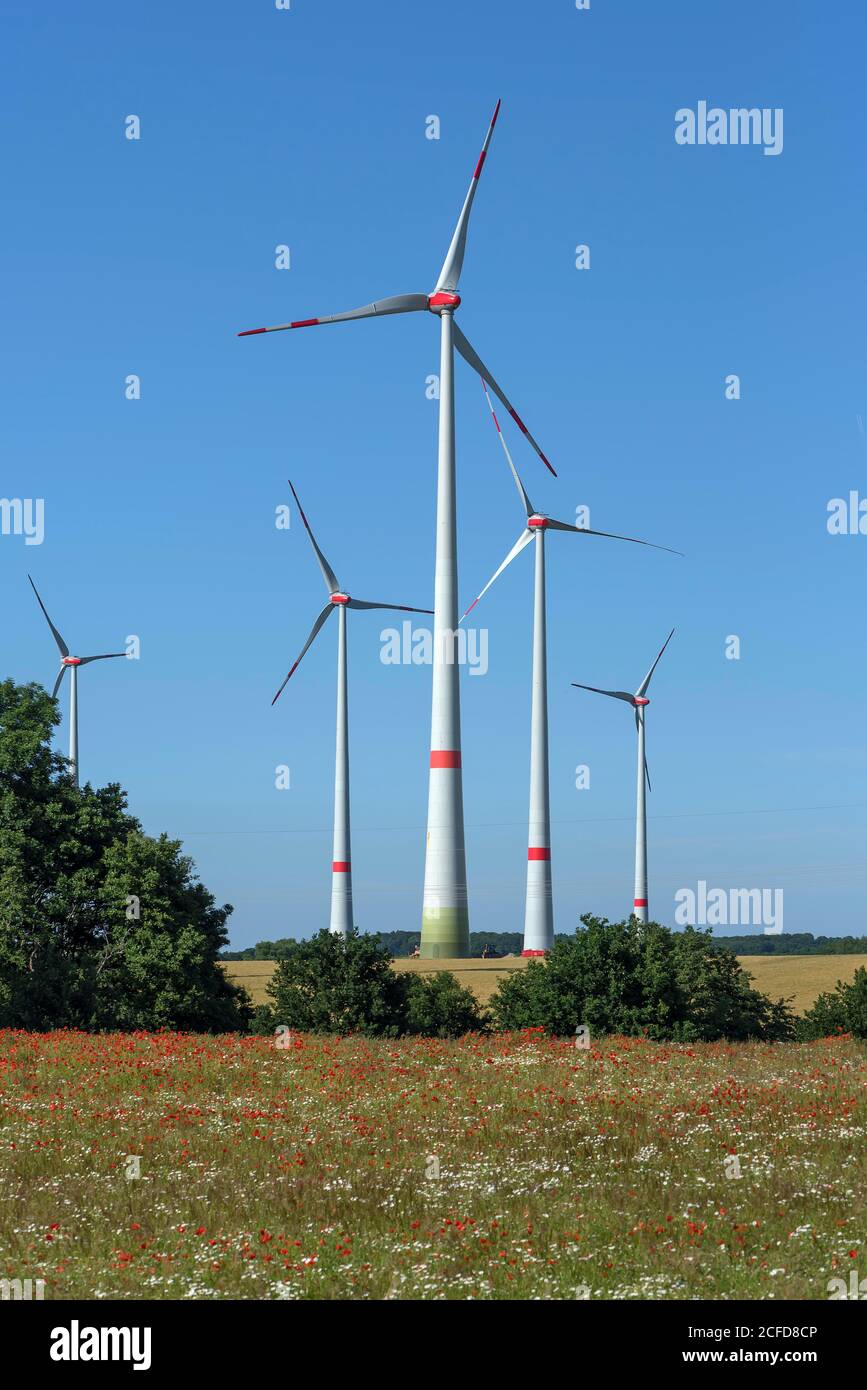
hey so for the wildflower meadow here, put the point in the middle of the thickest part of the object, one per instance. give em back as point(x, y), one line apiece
point(170, 1166)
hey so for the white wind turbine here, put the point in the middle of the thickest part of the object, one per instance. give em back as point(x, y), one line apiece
point(539, 911)
point(445, 913)
point(639, 702)
point(70, 663)
point(341, 859)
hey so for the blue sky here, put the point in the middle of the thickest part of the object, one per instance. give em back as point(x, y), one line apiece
point(306, 127)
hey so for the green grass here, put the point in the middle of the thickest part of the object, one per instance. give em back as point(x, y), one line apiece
point(308, 1172)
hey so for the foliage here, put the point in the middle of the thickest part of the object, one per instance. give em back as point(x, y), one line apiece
point(438, 1006)
point(101, 926)
point(334, 985)
point(329, 984)
point(844, 1010)
point(639, 979)
point(791, 944)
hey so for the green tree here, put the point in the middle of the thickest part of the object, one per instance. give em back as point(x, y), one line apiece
point(438, 1006)
point(638, 979)
point(844, 1010)
point(100, 925)
point(329, 984)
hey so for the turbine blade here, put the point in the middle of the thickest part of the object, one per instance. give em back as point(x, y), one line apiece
point(323, 616)
point(397, 304)
point(615, 694)
point(646, 682)
point(612, 535)
point(60, 676)
point(647, 775)
point(453, 263)
point(104, 657)
point(528, 505)
point(524, 539)
point(331, 581)
point(470, 355)
point(64, 650)
point(401, 607)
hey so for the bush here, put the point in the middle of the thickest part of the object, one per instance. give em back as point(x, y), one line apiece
point(639, 979)
point(334, 985)
point(844, 1010)
point(438, 1006)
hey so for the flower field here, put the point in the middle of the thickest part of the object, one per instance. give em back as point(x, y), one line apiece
point(170, 1166)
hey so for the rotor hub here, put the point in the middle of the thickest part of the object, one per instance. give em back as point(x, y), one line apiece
point(640, 700)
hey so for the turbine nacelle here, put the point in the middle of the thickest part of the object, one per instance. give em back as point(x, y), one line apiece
point(537, 522)
point(339, 598)
point(70, 660)
point(441, 299)
point(640, 700)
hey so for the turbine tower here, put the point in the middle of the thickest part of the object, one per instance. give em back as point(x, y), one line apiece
point(70, 663)
point(539, 910)
point(639, 702)
point(341, 859)
point(445, 913)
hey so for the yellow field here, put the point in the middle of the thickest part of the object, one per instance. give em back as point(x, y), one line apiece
point(803, 977)
point(253, 975)
point(481, 976)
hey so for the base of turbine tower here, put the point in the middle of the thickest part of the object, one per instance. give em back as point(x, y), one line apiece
point(534, 953)
point(445, 934)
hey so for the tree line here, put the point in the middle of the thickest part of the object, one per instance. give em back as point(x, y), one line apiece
point(403, 943)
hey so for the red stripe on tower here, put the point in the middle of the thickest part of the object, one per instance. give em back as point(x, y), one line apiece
point(640, 902)
point(538, 853)
point(340, 866)
point(445, 757)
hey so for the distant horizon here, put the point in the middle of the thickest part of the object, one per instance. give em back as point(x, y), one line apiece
point(715, 936)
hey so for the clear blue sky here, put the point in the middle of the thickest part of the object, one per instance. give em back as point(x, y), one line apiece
point(307, 127)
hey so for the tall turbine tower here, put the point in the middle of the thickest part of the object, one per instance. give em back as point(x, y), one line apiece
point(445, 914)
point(341, 859)
point(70, 663)
point(639, 702)
point(538, 910)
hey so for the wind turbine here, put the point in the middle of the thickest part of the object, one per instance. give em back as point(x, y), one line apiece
point(445, 913)
point(341, 859)
point(639, 702)
point(71, 663)
point(539, 911)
